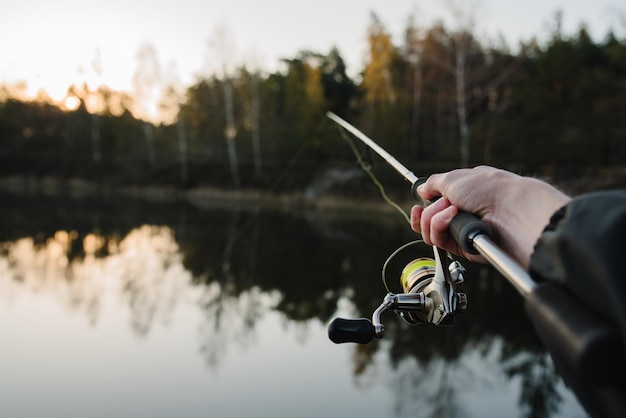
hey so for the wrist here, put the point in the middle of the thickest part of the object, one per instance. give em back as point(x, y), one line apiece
point(522, 223)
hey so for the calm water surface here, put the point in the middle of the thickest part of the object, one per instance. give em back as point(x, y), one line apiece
point(112, 308)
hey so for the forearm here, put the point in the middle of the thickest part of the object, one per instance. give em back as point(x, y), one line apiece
point(518, 226)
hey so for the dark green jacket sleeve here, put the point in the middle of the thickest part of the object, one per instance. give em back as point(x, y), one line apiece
point(584, 248)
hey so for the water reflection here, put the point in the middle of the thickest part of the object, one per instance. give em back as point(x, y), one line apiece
point(144, 269)
point(242, 271)
point(229, 319)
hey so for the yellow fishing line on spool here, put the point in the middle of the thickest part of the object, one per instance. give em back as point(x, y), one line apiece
point(416, 270)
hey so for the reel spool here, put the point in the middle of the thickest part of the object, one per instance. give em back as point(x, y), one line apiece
point(415, 276)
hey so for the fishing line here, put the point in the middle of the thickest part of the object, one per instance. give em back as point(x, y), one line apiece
point(367, 167)
point(395, 253)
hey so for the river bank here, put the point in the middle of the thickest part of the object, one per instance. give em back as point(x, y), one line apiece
point(204, 197)
point(210, 197)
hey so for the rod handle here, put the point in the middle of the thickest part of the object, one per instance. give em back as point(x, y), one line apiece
point(464, 227)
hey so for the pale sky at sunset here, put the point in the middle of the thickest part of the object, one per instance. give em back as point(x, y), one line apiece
point(52, 44)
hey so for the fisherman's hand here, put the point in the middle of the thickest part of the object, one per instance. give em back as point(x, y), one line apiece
point(517, 208)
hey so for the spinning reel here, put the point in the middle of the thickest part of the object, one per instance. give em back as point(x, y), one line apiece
point(433, 294)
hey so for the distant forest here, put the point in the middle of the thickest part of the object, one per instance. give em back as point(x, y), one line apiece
point(441, 99)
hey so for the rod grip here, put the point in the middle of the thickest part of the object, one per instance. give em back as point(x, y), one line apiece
point(464, 227)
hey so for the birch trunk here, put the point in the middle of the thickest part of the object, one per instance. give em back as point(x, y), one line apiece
point(149, 133)
point(256, 133)
point(96, 154)
point(461, 105)
point(231, 132)
point(182, 150)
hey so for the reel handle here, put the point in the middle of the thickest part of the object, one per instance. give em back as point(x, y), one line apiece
point(351, 331)
point(464, 227)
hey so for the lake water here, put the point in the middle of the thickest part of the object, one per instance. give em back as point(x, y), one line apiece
point(124, 308)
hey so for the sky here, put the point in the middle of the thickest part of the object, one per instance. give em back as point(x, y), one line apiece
point(53, 44)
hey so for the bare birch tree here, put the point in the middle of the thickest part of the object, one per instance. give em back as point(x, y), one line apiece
point(230, 132)
point(96, 64)
point(256, 130)
point(147, 85)
point(414, 52)
point(169, 106)
point(223, 46)
point(462, 42)
point(466, 63)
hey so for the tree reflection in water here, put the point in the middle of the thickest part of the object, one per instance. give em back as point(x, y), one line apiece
point(230, 319)
point(144, 269)
point(237, 266)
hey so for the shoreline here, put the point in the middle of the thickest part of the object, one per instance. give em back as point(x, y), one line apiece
point(203, 197)
point(253, 199)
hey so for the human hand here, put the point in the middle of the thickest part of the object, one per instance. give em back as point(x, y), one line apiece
point(517, 208)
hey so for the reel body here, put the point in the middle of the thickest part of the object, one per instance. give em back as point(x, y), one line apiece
point(433, 295)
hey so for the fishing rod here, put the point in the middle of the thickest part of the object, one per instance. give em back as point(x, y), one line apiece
point(467, 229)
point(586, 348)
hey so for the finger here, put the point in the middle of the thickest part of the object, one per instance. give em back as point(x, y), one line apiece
point(416, 215)
point(427, 215)
point(441, 184)
point(430, 189)
point(440, 228)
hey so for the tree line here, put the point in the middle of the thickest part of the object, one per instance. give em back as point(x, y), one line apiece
point(443, 98)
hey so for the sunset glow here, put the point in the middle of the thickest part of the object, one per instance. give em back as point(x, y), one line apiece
point(71, 103)
point(49, 47)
